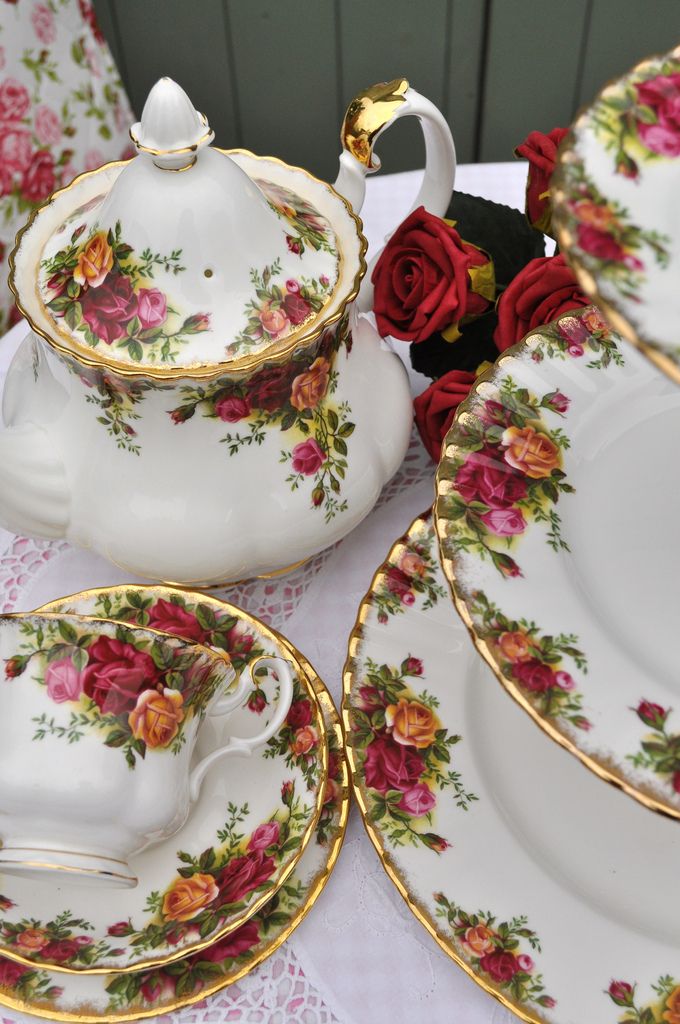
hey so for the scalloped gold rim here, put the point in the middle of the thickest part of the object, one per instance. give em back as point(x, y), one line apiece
point(356, 638)
point(242, 367)
point(449, 449)
point(317, 887)
point(561, 219)
point(249, 911)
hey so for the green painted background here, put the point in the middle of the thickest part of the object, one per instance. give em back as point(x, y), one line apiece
point(276, 76)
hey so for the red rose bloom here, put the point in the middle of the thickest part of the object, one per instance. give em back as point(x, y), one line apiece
point(398, 582)
point(116, 673)
point(270, 388)
point(172, 618)
point(232, 408)
point(240, 941)
point(662, 94)
point(500, 965)
point(437, 405)
point(541, 152)
point(243, 874)
point(483, 478)
point(107, 310)
point(422, 280)
point(390, 765)
point(534, 675)
point(60, 952)
point(545, 289)
point(38, 179)
point(296, 308)
point(600, 244)
point(156, 985)
point(300, 714)
point(622, 993)
point(11, 972)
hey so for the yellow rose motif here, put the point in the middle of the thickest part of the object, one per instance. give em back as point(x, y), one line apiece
point(412, 724)
point(594, 322)
point(531, 451)
point(186, 897)
point(515, 646)
point(479, 939)
point(156, 717)
point(310, 387)
point(672, 1012)
point(412, 564)
point(94, 262)
point(31, 940)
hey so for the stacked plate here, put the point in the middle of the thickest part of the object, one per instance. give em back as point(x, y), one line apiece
point(555, 531)
point(116, 939)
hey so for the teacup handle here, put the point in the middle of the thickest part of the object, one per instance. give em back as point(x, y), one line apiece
point(367, 117)
point(241, 746)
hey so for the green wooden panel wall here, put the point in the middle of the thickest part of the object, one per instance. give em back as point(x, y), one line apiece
point(276, 76)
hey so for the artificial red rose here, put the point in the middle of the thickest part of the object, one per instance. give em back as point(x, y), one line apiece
point(541, 152)
point(390, 765)
point(270, 388)
point(483, 478)
point(602, 245)
point(501, 965)
point(300, 714)
point(534, 675)
point(108, 309)
point(172, 618)
point(662, 94)
point(545, 289)
point(504, 522)
point(116, 673)
point(39, 179)
point(15, 100)
point(11, 972)
point(422, 280)
point(436, 407)
point(232, 408)
point(240, 941)
point(61, 952)
point(308, 457)
point(296, 308)
point(243, 874)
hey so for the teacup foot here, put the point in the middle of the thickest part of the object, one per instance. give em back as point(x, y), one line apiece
point(82, 868)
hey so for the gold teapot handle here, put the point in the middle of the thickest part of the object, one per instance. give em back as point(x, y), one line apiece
point(367, 117)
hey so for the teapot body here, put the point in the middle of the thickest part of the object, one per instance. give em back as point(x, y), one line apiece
point(203, 482)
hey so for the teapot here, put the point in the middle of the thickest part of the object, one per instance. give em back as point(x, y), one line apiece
point(202, 396)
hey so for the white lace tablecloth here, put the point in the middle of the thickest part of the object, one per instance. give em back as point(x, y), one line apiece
point(360, 956)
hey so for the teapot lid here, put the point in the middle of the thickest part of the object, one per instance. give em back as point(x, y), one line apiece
point(187, 257)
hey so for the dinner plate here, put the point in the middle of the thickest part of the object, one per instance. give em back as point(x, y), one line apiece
point(557, 510)
point(94, 998)
point(555, 893)
point(615, 205)
point(243, 837)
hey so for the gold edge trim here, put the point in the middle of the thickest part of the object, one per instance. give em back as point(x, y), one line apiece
point(210, 134)
point(561, 218)
point(241, 367)
point(460, 601)
point(201, 588)
point(317, 886)
point(348, 677)
point(279, 641)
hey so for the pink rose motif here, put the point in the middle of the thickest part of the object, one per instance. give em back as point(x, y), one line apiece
point(525, 962)
point(43, 23)
point(414, 666)
point(565, 681)
point(93, 159)
point(232, 408)
point(47, 126)
point(575, 351)
point(264, 836)
point(308, 457)
point(292, 286)
point(274, 321)
point(418, 800)
point(390, 765)
point(39, 178)
point(64, 681)
point(157, 985)
point(662, 94)
point(559, 402)
point(107, 310)
point(6, 182)
point(504, 522)
point(152, 308)
point(14, 100)
point(15, 148)
point(240, 941)
point(243, 874)
point(323, 281)
point(172, 618)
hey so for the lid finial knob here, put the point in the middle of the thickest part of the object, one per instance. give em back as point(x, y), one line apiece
point(171, 129)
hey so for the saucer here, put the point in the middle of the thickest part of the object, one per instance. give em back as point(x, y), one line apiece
point(557, 510)
point(614, 192)
point(242, 840)
point(554, 892)
point(95, 998)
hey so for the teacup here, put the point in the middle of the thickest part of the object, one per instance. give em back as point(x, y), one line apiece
point(99, 723)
